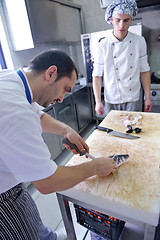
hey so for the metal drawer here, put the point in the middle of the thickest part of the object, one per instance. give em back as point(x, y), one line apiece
point(155, 95)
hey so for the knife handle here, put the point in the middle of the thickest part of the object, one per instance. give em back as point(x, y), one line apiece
point(73, 146)
point(108, 130)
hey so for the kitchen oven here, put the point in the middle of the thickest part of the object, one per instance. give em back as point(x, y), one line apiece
point(155, 97)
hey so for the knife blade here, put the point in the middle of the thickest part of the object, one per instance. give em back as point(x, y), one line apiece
point(115, 133)
point(73, 146)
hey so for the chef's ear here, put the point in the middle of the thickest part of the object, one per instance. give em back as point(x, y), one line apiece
point(51, 73)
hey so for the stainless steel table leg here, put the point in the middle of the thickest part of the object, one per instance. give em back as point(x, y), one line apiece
point(149, 232)
point(67, 217)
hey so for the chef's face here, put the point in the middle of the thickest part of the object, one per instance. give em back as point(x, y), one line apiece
point(121, 23)
point(58, 89)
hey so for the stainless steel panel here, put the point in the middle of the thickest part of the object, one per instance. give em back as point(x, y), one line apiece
point(147, 3)
point(52, 21)
point(83, 108)
point(69, 23)
point(155, 108)
point(64, 112)
point(155, 97)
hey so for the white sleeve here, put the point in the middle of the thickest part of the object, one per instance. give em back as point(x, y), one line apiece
point(23, 150)
point(98, 66)
point(144, 66)
point(37, 108)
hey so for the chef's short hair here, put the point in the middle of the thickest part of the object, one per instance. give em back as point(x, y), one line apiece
point(58, 58)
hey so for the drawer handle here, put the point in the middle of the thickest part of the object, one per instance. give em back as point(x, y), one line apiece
point(64, 109)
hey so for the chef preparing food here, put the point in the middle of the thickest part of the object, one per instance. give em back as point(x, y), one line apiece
point(121, 61)
point(24, 155)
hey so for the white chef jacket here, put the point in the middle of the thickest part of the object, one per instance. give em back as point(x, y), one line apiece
point(120, 64)
point(24, 156)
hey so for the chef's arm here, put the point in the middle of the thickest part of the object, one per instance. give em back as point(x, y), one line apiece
point(66, 177)
point(51, 125)
point(97, 85)
point(146, 83)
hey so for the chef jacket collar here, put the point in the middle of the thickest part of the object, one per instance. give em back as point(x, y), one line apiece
point(126, 39)
point(24, 79)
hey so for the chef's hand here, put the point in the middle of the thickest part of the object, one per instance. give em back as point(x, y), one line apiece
point(104, 166)
point(99, 108)
point(76, 139)
point(148, 105)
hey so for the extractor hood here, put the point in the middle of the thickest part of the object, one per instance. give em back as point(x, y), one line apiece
point(54, 21)
point(147, 3)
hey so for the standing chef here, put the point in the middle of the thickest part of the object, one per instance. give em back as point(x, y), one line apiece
point(121, 60)
point(24, 156)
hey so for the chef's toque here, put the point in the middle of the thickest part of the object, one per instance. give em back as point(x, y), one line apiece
point(121, 7)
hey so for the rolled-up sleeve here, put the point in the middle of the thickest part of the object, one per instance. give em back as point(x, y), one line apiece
point(144, 66)
point(98, 66)
point(37, 109)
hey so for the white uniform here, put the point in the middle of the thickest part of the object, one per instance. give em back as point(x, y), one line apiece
point(120, 64)
point(24, 155)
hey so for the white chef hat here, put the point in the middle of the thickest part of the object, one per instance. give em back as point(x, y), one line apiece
point(121, 7)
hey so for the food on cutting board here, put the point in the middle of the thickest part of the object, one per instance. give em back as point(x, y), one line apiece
point(119, 159)
point(130, 129)
point(130, 119)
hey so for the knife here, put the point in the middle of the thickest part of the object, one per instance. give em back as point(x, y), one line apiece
point(118, 159)
point(73, 146)
point(115, 133)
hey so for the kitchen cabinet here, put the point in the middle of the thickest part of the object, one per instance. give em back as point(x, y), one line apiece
point(83, 108)
point(52, 140)
point(64, 112)
point(75, 111)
